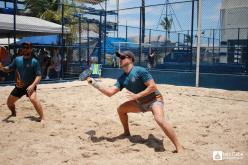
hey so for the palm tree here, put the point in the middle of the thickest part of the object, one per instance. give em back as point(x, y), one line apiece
point(166, 23)
point(187, 38)
point(50, 10)
point(37, 7)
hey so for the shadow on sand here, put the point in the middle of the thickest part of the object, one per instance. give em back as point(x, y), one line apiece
point(7, 119)
point(151, 141)
point(33, 118)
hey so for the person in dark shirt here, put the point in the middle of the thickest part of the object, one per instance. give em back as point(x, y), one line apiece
point(28, 76)
point(4, 60)
point(151, 60)
point(143, 95)
point(46, 62)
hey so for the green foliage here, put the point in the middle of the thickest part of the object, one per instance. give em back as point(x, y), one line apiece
point(51, 10)
point(166, 23)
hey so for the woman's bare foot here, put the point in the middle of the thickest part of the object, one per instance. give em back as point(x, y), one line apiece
point(178, 149)
point(42, 121)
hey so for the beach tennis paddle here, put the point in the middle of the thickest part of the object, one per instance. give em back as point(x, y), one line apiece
point(85, 75)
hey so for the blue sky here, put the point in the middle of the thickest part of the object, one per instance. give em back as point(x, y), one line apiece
point(181, 14)
point(10, 5)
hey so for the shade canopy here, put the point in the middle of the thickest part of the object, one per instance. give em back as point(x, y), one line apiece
point(27, 26)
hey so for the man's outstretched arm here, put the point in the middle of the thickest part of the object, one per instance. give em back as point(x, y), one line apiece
point(5, 69)
point(108, 91)
point(8, 68)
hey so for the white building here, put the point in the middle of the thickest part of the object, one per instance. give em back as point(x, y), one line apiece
point(234, 14)
point(234, 25)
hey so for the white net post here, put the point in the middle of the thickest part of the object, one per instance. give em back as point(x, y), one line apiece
point(198, 42)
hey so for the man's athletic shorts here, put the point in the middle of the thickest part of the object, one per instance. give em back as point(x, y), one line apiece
point(19, 92)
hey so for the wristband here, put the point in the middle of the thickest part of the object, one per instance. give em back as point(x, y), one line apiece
point(95, 84)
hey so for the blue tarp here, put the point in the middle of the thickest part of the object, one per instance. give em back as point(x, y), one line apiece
point(41, 40)
point(111, 45)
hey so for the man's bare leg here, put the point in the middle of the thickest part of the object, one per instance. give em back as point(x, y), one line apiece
point(127, 107)
point(11, 104)
point(48, 71)
point(34, 100)
point(158, 113)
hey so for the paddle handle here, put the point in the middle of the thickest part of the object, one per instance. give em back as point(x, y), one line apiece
point(89, 80)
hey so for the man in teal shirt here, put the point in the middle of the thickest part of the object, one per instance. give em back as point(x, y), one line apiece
point(143, 95)
point(28, 75)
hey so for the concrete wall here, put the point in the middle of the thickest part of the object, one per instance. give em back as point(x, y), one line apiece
point(208, 80)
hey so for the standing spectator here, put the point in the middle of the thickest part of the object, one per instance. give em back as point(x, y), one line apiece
point(55, 64)
point(151, 60)
point(114, 62)
point(46, 62)
point(4, 60)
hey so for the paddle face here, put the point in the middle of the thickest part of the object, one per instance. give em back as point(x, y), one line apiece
point(85, 74)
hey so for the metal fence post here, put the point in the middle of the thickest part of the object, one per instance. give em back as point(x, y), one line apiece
point(117, 6)
point(80, 32)
point(178, 40)
point(100, 41)
point(143, 21)
point(198, 42)
point(188, 42)
point(150, 34)
point(15, 12)
point(238, 38)
point(246, 54)
point(88, 44)
point(213, 41)
point(184, 37)
point(105, 32)
point(165, 44)
point(126, 32)
point(140, 35)
point(63, 41)
point(238, 51)
point(192, 33)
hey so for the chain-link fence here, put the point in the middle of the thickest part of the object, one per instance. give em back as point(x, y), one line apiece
point(161, 33)
point(172, 34)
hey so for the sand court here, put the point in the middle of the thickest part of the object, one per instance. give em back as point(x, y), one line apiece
point(83, 127)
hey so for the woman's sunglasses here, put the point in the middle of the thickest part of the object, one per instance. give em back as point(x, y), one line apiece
point(123, 57)
point(124, 66)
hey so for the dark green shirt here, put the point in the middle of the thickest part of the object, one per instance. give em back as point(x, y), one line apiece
point(26, 69)
point(135, 80)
